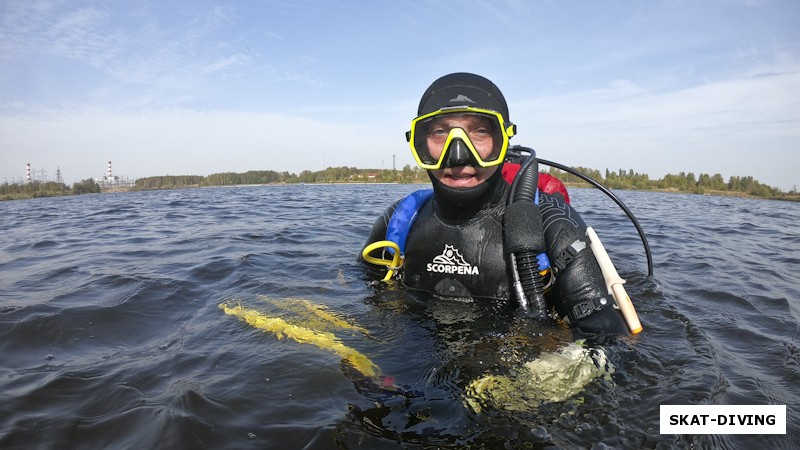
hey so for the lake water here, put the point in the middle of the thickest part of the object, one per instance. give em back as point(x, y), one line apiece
point(111, 333)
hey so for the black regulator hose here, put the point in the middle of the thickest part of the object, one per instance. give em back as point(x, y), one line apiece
point(524, 238)
point(526, 183)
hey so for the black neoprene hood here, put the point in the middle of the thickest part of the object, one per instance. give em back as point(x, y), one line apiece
point(463, 89)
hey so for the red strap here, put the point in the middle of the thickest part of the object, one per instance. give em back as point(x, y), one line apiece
point(547, 182)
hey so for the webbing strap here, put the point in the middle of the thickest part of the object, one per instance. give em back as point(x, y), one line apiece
point(403, 217)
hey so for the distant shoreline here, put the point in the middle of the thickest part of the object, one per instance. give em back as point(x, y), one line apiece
point(620, 180)
point(786, 197)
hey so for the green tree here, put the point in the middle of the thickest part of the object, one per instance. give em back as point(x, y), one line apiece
point(87, 186)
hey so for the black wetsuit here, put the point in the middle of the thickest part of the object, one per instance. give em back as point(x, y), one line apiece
point(457, 252)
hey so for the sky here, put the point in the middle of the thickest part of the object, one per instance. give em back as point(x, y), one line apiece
point(200, 87)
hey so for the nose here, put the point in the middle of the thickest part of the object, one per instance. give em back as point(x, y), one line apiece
point(458, 154)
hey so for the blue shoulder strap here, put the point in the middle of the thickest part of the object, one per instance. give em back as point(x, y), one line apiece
point(403, 217)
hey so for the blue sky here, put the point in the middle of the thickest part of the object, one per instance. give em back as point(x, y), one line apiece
point(202, 87)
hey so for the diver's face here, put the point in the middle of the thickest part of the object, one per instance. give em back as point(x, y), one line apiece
point(481, 134)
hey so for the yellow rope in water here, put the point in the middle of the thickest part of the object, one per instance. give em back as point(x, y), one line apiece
point(305, 308)
point(323, 340)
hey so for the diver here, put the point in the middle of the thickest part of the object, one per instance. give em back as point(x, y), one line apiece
point(471, 238)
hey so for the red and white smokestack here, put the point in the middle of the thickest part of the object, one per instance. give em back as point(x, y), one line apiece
point(109, 170)
point(28, 172)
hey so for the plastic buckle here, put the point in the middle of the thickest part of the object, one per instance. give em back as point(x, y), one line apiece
point(568, 255)
point(587, 308)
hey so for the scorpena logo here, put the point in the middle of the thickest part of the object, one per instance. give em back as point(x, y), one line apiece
point(451, 261)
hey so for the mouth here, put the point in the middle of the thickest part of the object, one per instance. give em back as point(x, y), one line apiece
point(459, 178)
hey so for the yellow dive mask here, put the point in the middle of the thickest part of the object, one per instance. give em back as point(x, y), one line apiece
point(483, 132)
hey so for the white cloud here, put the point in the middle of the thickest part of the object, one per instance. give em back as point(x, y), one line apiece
point(225, 63)
point(650, 86)
point(734, 127)
point(184, 142)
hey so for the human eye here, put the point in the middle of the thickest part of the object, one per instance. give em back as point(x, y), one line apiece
point(480, 134)
point(438, 131)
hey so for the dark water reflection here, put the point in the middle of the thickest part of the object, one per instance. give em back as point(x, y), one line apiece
point(111, 335)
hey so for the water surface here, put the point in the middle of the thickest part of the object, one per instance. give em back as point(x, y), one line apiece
point(111, 335)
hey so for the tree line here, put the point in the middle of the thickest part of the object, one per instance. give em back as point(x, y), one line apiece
point(684, 182)
point(36, 189)
point(620, 179)
point(329, 175)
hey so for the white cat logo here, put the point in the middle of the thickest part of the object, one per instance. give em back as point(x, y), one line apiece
point(451, 261)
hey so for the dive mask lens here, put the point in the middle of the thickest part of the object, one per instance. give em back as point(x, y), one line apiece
point(483, 132)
